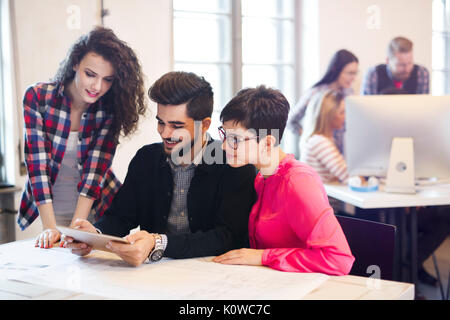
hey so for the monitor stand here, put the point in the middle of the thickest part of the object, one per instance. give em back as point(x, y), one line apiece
point(400, 176)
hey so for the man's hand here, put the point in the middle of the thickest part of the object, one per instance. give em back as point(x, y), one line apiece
point(252, 257)
point(135, 253)
point(79, 248)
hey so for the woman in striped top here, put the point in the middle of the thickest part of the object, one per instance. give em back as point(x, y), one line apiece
point(325, 114)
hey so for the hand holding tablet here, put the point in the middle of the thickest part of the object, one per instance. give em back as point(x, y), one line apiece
point(83, 237)
point(88, 238)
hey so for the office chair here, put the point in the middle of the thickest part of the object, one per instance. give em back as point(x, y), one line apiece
point(372, 244)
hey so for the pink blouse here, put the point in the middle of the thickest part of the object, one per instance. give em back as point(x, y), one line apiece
point(293, 221)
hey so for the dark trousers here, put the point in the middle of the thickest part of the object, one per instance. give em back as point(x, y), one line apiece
point(433, 224)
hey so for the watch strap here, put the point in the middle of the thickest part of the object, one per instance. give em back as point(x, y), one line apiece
point(164, 241)
point(159, 245)
point(158, 242)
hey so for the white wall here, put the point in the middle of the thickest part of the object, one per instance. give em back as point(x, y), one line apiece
point(45, 30)
point(147, 27)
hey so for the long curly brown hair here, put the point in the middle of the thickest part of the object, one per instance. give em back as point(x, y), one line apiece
point(126, 97)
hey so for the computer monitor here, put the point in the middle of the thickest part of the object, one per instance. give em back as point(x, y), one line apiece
point(373, 121)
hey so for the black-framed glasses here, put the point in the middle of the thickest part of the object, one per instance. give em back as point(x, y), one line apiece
point(233, 140)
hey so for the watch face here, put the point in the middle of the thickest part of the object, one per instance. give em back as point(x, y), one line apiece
point(157, 255)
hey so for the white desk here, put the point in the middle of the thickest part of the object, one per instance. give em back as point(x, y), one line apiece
point(57, 274)
point(435, 195)
point(425, 196)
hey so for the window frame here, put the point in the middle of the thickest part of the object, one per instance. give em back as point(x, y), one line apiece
point(2, 104)
point(237, 63)
point(445, 36)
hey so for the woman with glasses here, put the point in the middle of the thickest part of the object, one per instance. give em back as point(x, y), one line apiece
point(291, 226)
point(72, 127)
point(340, 75)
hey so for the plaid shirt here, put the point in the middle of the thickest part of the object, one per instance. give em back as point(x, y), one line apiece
point(182, 176)
point(370, 82)
point(46, 129)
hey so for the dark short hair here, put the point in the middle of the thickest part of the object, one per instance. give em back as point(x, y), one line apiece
point(258, 109)
point(339, 60)
point(178, 87)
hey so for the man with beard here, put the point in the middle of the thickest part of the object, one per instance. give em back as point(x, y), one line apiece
point(187, 201)
point(399, 72)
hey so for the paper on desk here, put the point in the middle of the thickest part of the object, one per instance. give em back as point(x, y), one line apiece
point(105, 274)
point(204, 279)
point(15, 264)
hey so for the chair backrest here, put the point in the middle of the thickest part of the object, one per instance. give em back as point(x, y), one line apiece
point(372, 244)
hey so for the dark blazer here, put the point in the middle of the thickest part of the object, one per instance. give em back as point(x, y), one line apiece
point(219, 201)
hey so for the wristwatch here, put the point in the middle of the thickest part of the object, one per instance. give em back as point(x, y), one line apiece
point(158, 250)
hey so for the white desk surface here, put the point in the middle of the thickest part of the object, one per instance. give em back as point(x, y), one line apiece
point(31, 273)
point(426, 196)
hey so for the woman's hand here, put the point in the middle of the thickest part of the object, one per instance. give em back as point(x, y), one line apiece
point(79, 248)
point(50, 235)
point(47, 238)
point(252, 257)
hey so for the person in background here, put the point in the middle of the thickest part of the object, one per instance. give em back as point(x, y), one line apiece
point(325, 114)
point(72, 126)
point(187, 201)
point(339, 76)
point(291, 226)
point(398, 72)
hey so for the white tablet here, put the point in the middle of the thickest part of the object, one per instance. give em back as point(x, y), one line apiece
point(95, 240)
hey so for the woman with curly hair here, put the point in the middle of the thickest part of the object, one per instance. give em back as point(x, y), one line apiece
point(72, 127)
